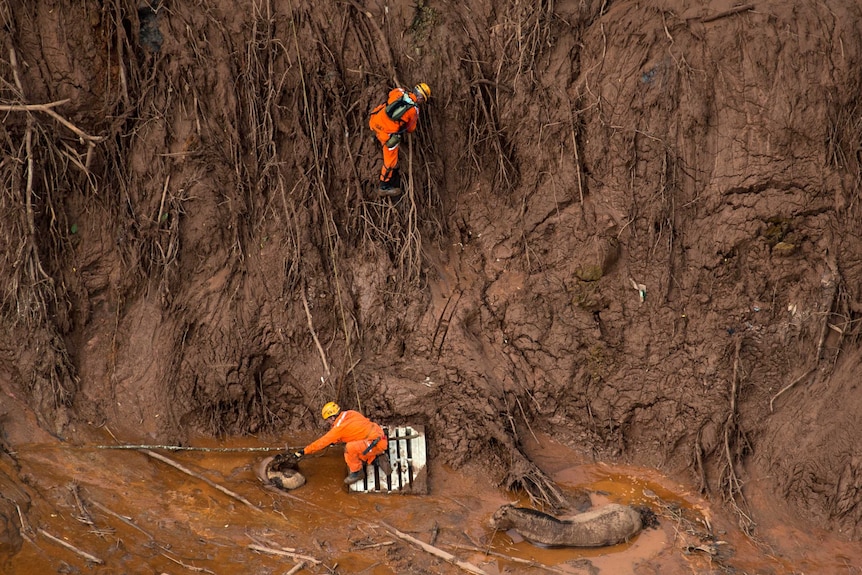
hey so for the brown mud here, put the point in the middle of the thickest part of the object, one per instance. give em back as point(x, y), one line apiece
point(173, 519)
point(632, 227)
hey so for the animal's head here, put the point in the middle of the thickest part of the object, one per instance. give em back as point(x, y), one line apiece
point(283, 462)
point(501, 519)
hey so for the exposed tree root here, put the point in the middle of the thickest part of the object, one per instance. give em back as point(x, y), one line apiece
point(735, 447)
point(541, 489)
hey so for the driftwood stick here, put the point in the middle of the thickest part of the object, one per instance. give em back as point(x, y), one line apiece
point(468, 567)
point(125, 520)
point(296, 568)
point(85, 516)
point(24, 526)
point(189, 567)
point(213, 484)
point(25, 529)
point(70, 547)
point(374, 545)
point(271, 551)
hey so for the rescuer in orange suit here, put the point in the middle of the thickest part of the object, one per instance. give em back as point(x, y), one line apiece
point(390, 121)
point(364, 441)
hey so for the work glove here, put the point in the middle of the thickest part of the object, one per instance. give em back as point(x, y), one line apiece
point(299, 454)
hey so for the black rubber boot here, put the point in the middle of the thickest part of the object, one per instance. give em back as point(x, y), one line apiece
point(387, 191)
point(354, 477)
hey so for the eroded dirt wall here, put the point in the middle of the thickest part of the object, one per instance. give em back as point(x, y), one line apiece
point(635, 227)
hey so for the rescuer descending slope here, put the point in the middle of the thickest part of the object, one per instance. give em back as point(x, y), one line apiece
point(389, 122)
point(364, 441)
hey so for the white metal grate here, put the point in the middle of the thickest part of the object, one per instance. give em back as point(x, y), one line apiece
point(408, 458)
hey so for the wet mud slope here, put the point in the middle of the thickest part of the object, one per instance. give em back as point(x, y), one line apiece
point(631, 226)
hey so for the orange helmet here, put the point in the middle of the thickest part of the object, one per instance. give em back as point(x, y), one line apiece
point(330, 409)
point(422, 90)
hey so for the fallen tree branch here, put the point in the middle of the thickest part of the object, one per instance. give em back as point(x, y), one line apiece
point(271, 551)
point(189, 567)
point(24, 527)
point(212, 484)
point(70, 547)
point(373, 545)
point(468, 567)
point(122, 518)
point(84, 516)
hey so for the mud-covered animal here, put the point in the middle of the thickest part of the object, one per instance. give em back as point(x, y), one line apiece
point(281, 471)
point(607, 525)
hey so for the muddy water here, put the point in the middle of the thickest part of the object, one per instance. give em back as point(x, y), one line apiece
point(137, 514)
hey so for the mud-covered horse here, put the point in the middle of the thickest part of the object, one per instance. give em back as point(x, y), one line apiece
point(280, 471)
point(607, 525)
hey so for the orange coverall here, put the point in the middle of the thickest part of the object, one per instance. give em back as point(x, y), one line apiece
point(383, 127)
point(357, 432)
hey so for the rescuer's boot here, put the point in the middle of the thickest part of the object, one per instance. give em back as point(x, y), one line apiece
point(354, 477)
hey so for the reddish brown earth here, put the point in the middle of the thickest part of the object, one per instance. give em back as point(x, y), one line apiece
point(191, 246)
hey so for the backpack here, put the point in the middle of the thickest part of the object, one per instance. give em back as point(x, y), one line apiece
point(399, 107)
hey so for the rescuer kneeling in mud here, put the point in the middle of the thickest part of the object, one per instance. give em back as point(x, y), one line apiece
point(389, 122)
point(364, 441)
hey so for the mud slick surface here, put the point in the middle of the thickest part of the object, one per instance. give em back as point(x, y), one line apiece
point(627, 230)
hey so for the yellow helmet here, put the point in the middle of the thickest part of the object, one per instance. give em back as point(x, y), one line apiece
point(422, 89)
point(330, 409)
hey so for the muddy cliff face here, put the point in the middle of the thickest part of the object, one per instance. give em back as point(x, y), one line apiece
point(635, 228)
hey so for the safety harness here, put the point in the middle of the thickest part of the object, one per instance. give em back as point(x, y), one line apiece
point(371, 446)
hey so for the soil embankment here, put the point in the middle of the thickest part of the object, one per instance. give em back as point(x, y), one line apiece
point(632, 227)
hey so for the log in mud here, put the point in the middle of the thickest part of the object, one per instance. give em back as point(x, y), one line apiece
point(608, 525)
